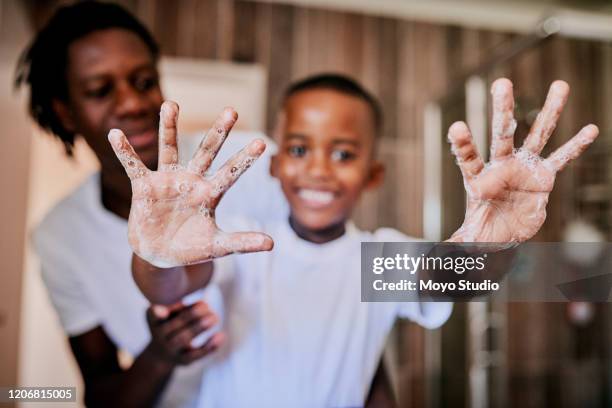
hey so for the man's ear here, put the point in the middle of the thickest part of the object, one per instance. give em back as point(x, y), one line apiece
point(64, 114)
point(376, 176)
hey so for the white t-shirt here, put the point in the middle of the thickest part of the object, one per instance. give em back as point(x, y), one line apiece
point(86, 260)
point(298, 333)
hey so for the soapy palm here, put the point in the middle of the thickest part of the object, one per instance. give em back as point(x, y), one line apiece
point(172, 217)
point(507, 198)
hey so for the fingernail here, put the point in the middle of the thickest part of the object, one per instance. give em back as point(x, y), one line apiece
point(229, 113)
point(268, 243)
point(218, 339)
point(114, 136)
point(257, 147)
point(501, 83)
point(560, 86)
point(169, 109)
point(160, 312)
point(457, 127)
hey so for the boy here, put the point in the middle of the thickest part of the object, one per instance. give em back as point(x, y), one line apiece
point(298, 333)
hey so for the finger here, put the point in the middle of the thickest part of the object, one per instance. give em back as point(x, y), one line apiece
point(464, 149)
point(227, 175)
point(547, 119)
point(184, 317)
point(213, 141)
point(157, 315)
point(152, 320)
point(210, 346)
point(177, 307)
point(168, 151)
point(160, 312)
point(241, 242)
point(204, 320)
point(572, 148)
point(183, 338)
point(126, 155)
point(504, 125)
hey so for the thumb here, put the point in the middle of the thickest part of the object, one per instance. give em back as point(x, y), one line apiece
point(241, 242)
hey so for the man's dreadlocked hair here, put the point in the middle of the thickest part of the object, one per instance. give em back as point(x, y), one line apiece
point(44, 63)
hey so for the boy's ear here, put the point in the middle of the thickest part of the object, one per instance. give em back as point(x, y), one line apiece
point(377, 175)
point(277, 135)
point(62, 111)
point(273, 165)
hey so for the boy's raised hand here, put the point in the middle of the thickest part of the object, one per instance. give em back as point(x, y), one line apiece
point(507, 197)
point(172, 217)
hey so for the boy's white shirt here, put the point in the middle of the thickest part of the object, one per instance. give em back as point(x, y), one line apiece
point(298, 333)
point(86, 263)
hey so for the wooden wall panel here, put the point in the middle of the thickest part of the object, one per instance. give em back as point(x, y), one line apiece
point(244, 32)
point(280, 65)
point(187, 24)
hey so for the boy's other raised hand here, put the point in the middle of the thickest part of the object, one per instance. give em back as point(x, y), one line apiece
point(172, 216)
point(507, 197)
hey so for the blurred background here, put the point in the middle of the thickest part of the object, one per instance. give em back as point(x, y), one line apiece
point(430, 63)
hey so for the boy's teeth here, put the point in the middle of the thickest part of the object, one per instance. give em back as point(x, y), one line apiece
point(322, 197)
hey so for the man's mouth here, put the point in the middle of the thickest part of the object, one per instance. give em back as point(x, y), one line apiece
point(315, 198)
point(142, 138)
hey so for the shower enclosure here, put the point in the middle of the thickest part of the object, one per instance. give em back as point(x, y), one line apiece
point(503, 354)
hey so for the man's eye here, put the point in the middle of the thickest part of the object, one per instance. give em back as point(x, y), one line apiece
point(297, 151)
point(143, 84)
point(98, 93)
point(342, 155)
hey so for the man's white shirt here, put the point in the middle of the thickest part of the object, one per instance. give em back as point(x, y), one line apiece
point(86, 259)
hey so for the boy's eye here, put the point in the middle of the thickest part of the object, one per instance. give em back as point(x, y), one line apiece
point(342, 155)
point(296, 151)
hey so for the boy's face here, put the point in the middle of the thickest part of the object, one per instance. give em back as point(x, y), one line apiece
point(112, 82)
point(325, 158)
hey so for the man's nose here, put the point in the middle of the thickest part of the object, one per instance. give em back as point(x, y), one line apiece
point(129, 101)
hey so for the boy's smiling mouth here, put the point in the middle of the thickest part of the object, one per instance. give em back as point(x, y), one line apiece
point(315, 198)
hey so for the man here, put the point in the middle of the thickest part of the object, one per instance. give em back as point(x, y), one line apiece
point(92, 68)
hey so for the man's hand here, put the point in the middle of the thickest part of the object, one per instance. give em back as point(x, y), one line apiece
point(174, 327)
point(172, 217)
point(507, 197)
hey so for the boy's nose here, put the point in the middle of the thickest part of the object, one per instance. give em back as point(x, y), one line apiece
point(319, 166)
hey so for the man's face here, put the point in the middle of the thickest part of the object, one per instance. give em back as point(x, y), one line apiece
point(325, 156)
point(113, 83)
